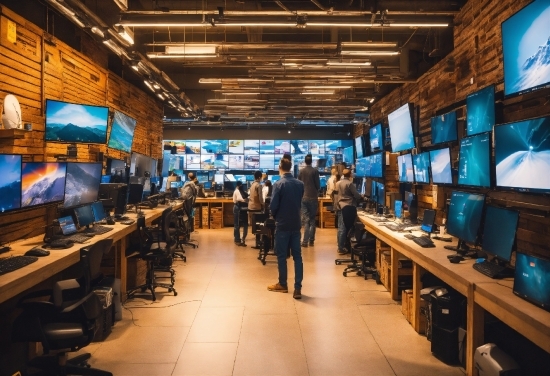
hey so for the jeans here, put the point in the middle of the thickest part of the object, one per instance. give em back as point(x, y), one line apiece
point(283, 241)
point(341, 232)
point(309, 211)
point(239, 219)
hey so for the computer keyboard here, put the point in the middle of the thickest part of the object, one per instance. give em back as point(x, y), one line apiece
point(409, 236)
point(98, 230)
point(378, 219)
point(9, 264)
point(492, 270)
point(61, 243)
point(78, 238)
point(128, 222)
point(396, 227)
point(424, 241)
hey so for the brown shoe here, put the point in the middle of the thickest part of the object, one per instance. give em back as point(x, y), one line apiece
point(277, 288)
point(297, 294)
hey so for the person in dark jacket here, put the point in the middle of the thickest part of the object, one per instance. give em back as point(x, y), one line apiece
point(310, 177)
point(286, 202)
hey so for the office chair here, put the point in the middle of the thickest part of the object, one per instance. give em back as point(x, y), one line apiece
point(155, 247)
point(365, 245)
point(66, 322)
point(264, 228)
point(349, 213)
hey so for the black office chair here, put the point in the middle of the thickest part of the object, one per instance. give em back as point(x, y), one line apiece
point(363, 252)
point(349, 214)
point(155, 247)
point(67, 321)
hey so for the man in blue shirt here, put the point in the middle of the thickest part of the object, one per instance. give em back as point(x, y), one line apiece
point(286, 203)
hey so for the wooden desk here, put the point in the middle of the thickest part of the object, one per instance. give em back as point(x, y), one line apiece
point(18, 281)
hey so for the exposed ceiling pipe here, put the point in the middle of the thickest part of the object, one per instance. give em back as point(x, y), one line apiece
point(319, 5)
point(282, 6)
point(259, 13)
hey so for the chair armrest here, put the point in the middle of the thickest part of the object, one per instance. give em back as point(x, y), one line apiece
point(36, 294)
point(40, 308)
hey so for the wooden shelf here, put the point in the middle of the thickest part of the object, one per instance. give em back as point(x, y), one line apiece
point(12, 133)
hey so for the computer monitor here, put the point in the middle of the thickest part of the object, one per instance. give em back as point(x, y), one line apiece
point(114, 196)
point(105, 178)
point(376, 138)
point(480, 111)
point(274, 178)
point(67, 225)
point(428, 221)
point(359, 147)
point(229, 185)
point(532, 280)
point(405, 168)
point(421, 167)
point(84, 215)
point(135, 194)
point(42, 183)
point(411, 205)
point(401, 128)
point(10, 182)
point(82, 183)
point(499, 232)
point(323, 181)
point(374, 191)
point(230, 177)
point(398, 209)
point(440, 163)
point(99, 211)
point(218, 179)
point(381, 195)
point(444, 128)
point(464, 217)
point(117, 169)
point(207, 185)
point(474, 161)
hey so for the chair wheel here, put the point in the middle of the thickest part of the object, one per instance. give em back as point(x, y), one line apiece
point(337, 262)
point(175, 293)
point(263, 262)
point(345, 274)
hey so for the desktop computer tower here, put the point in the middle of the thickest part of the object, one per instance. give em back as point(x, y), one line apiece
point(448, 308)
point(444, 344)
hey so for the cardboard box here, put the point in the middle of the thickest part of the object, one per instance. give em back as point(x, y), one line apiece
point(385, 274)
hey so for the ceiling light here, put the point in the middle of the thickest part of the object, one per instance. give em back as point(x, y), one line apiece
point(148, 84)
point(159, 55)
point(348, 63)
point(369, 44)
point(187, 49)
point(97, 31)
point(370, 53)
point(210, 80)
point(126, 34)
point(113, 46)
point(174, 24)
point(417, 25)
point(328, 87)
point(317, 92)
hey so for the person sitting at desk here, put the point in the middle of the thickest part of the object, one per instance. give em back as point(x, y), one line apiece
point(239, 219)
point(347, 196)
point(189, 193)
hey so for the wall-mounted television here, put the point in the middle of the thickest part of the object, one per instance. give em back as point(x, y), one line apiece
point(42, 183)
point(267, 147)
point(236, 162)
point(371, 166)
point(444, 128)
point(376, 138)
point(405, 168)
point(79, 123)
point(480, 111)
point(474, 161)
point(526, 48)
point(421, 167)
point(317, 146)
point(251, 147)
point(82, 183)
point(337, 146)
point(267, 161)
point(282, 146)
point(299, 146)
point(359, 147)
point(215, 146)
point(440, 163)
point(10, 182)
point(142, 165)
point(401, 128)
point(522, 155)
point(236, 147)
point(122, 132)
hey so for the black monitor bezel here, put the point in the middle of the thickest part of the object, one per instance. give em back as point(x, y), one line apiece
point(20, 184)
point(475, 242)
point(528, 298)
point(494, 110)
point(455, 127)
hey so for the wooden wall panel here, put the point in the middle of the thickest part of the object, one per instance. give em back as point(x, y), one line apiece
point(475, 63)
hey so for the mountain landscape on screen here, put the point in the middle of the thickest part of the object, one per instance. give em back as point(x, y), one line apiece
point(42, 183)
point(535, 70)
point(74, 133)
point(82, 183)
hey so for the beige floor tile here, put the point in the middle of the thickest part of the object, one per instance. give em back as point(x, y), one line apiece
point(270, 345)
point(217, 324)
point(176, 314)
point(136, 369)
point(373, 297)
point(212, 359)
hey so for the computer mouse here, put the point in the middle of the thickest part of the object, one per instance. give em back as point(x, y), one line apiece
point(456, 259)
point(110, 221)
point(37, 251)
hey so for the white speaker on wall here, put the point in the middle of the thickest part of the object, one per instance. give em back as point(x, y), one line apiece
point(11, 113)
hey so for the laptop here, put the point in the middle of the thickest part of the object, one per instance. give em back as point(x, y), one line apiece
point(532, 280)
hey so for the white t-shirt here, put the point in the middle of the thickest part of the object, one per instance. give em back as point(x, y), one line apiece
point(237, 197)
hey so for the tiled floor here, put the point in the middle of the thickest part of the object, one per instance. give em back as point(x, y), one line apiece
point(225, 322)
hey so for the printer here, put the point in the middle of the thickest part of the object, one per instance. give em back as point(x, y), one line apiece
point(490, 360)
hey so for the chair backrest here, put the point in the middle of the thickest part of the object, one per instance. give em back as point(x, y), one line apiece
point(90, 259)
point(165, 220)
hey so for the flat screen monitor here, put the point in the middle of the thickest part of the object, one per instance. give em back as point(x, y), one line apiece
point(236, 161)
point(499, 232)
point(236, 146)
point(230, 177)
point(117, 168)
point(347, 155)
point(218, 178)
point(10, 182)
point(267, 147)
point(374, 191)
point(79, 123)
point(474, 161)
point(207, 185)
point(202, 177)
point(135, 193)
point(99, 211)
point(299, 147)
point(428, 221)
point(193, 162)
point(251, 147)
point(122, 132)
point(401, 128)
point(409, 198)
point(440, 163)
point(267, 161)
point(282, 146)
point(317, 147)
point(84, 215)
point(173, 163)
point(337, 146)
point(321, 163)
point(229, 185)
point(398, 209)
point(105, 178)
point(421, 167)
point(323, 181)
point(361, 166)
point(142, 165)
point(522, 155)
point(381, 194)
point(532, 280)
point(525, 49)
point(275, 178)
point(189, 147)
point(215, 146)
point(359, 152)
point(67, 225)
point(82, 183)
point(405, 168)
point(480, 111)
point(444, 128)
point(376, 165)
point(251, 162)
point(464, 216)
point(42, 183)
point(376, 138)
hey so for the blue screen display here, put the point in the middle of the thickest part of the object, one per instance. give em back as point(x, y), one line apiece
point(214, 146)
point(359, 153)
point(10, 182)
point(474, 161)
point(398, 209)
point(323, 181)
point(84, 215)
point(428, 221)
point(70, 122)
point(480, 111)
point(381, 195)
point(464, 215)
point(370, 166)
point(444, 128)
point(401, 129)
point(499, 231)
point(376, 138)
point(522, 155)
point(532, 279)
point(526, 49)
point(440, 162)
point(122, 132)
point(421, 166)
point(405, 168)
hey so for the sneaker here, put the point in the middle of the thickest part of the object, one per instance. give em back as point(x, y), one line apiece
point(303, 245)
point(242, 244)
point(238, 242)
point(297, 294)
point(277, 288)
point(343, 251)
point(311, 243)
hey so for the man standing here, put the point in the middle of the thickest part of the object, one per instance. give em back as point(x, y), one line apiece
point(285, 206)
point(331, 182)
point(347, 206)
point(310, 177)
point(189, 195)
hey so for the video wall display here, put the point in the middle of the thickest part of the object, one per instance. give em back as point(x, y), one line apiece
point(440, 163)
point(421, 167)
point(401, 129)
point(480, 111)
point(79, 123)
point(371, 166)
point(526, 49)
point(122, 132)
point(405, 168)
point(214, 147)
point(10, 182)
point(522, 155)
point(376, 138)
point(474, 161)
point(444, 128)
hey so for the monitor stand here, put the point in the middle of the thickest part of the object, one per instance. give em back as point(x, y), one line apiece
point(461, 248)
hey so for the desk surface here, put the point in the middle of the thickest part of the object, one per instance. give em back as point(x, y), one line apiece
point(16, 282)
